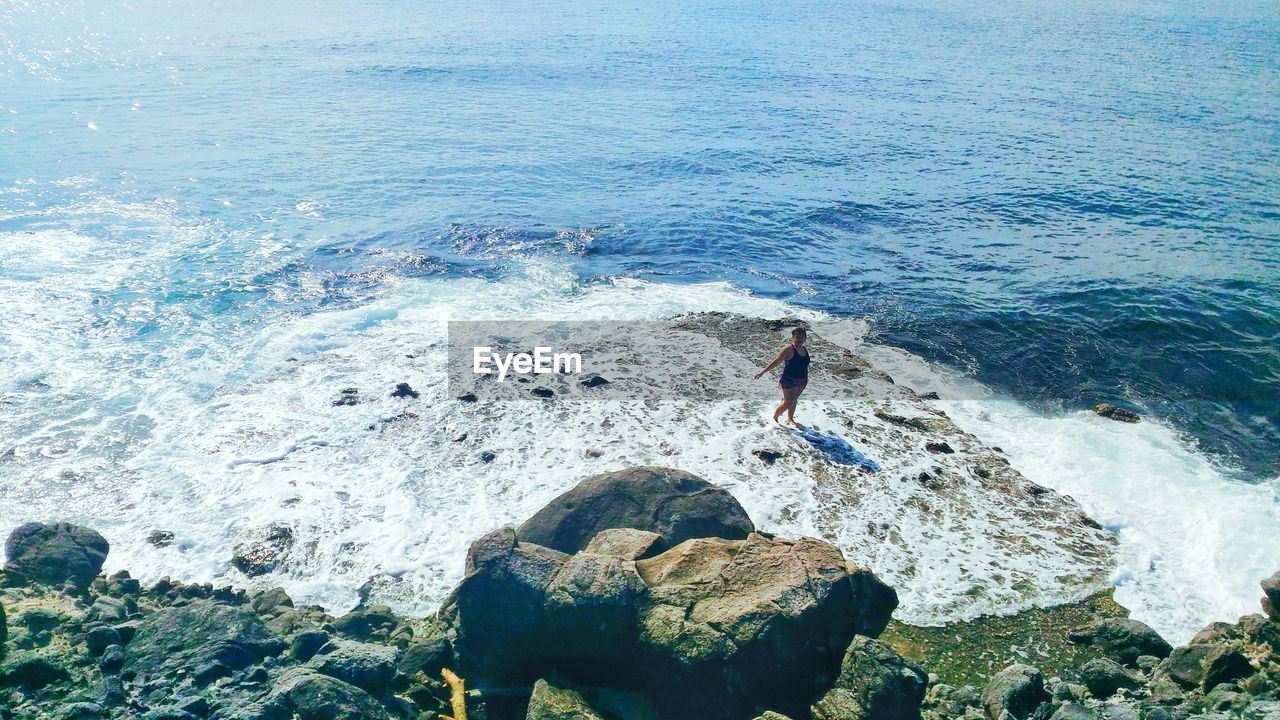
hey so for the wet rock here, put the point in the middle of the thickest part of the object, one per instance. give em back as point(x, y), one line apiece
point(368, 666)
point(875, 683)
point(543, 392)
point(314, 696)
point(552, 703)
point(672, 503)
point(403, 390)
point(590, 607)
point(269, 601)
point(1207, 665)
point(54, 554)
point(939, 447)
point(1111, 412)
point(487, 456)
point(466, 398)
point(1104, 677)
point(27, 670)
point(305, 644)
point(1123, 639)
point(160, 538)
point(1271, 596)
point(626, 543)
point(931, 395)
point(198, 635)
point(873, 601)
point(1073, 711)
point(426, 656)
point(768, 457)
point(500, 635)
point(593, 380)
point(1017, 690)
point(348, 396)
point(363, 623)
point(732, 625)
point(262, 554)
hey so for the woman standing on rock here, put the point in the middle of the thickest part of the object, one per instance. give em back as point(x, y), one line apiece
point(795, 374)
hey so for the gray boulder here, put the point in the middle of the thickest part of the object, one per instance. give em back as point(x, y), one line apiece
point(626, 543)
point(368, 666)
point(309, 695)
point(54, 554)
point(1206, 665)
point(672, 503)
point(204, 633)
point(1104, 677)
point(875, 683)
point(1017, 689)
point(1124, 639)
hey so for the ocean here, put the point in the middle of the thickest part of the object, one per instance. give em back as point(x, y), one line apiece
point(215, 216)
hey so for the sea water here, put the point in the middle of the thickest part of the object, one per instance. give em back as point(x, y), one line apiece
point(213, 218)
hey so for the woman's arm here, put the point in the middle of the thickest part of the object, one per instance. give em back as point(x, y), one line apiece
point(783, 355)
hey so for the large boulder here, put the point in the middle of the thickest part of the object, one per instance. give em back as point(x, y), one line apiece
point(1206, 665)
point(672, 503)
point(875, 683)
point(368, 666)
point(1271, 596)
point(1124, 639)
point(1104, 677)
point(730, 627)
point(1017, 690)
point(197, 636)
point(309, 695)
point(54, 554)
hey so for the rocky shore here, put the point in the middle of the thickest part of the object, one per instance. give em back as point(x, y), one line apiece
point(641, 594)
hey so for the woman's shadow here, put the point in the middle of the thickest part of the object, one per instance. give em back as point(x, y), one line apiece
point(834, 448)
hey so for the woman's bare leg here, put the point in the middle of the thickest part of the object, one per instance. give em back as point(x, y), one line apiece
point(791, 407)
point(782, 406)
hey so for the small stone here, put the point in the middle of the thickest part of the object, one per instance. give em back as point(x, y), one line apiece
point(931, 395)
point(939, 447)
point(593, 380)
point(592, 453)
point(487, 456)
point(543, 392)
point(160, 538)
point(467, 398)
point(112, 659)
point(268, 601)
point(768, 457)
point(306, 643)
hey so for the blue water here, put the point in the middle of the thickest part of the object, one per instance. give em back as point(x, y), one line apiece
point(1070, 201)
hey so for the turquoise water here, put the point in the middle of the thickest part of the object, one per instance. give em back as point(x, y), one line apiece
point(1069, 202)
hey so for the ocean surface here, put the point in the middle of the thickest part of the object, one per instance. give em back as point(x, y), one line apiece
point(214, 216)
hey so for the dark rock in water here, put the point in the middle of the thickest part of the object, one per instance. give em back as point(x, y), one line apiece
point(488, 456)
point(931, 395)
point(769, 457)
point(552, 703)
point(1271, 596)
point(261, 555)
point(368, 666)
point(305, 644)
point(1111, 412)
point(403, 390)
point(939, 447)
point(197, 635)
point(593, 380)
point(672, 503)
point(730, 626)
point(54, 554)
point(467, 398)
point(348, 396)
point(875, 683)
point(1124, 639)
point(29, 671)
point(626, 543)
point(1017, 689)
point(1104, 677)
point(160, 538)
point(314, 696)
point(543, 392)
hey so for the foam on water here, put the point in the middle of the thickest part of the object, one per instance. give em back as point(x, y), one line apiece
point(218, 431)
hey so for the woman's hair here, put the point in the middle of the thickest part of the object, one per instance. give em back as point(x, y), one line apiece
point(799, 332)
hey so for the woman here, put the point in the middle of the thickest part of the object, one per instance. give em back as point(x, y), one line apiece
point(795, 374)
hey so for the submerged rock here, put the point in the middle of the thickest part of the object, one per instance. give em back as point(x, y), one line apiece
point(1111, 412)
point(264, 552)
point(54, 554)
point(672, 503)
point(403, 390)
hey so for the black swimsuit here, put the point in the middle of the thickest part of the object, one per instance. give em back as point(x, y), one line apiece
point(795, 370)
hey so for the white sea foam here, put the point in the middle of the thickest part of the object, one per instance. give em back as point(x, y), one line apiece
point(227, 433)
